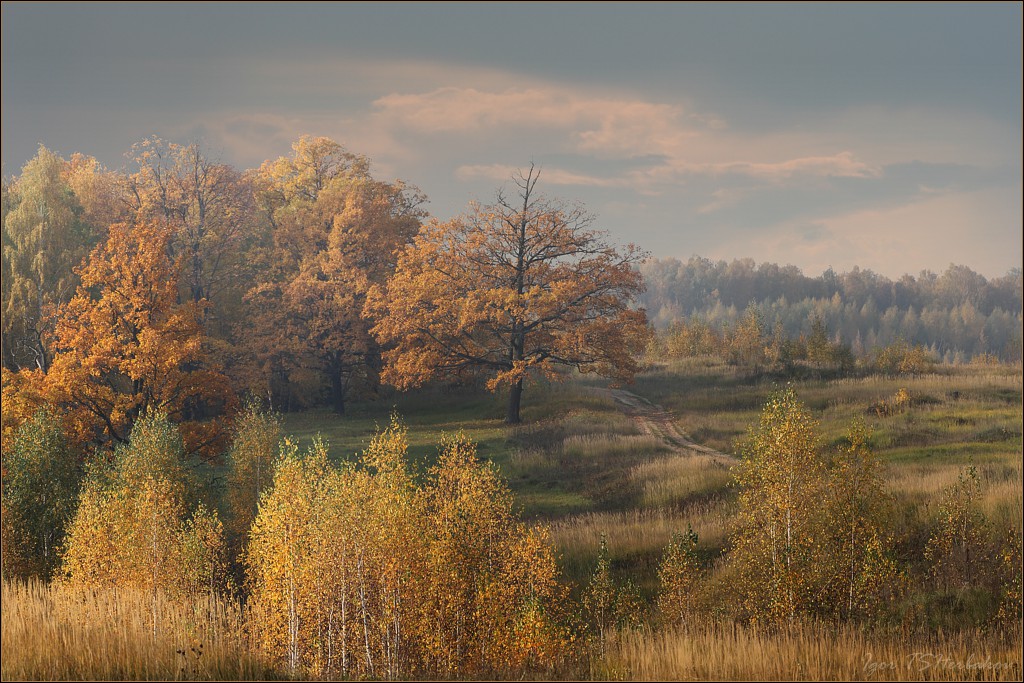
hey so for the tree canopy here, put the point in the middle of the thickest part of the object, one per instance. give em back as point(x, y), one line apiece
point(520, 286)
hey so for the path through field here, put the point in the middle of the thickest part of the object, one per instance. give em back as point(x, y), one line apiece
point(656, 421)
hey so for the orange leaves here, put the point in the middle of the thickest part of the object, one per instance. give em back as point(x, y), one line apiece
point(505, 291)
point(124, 345)
point(335, 231)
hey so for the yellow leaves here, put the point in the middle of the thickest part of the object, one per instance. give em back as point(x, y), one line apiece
point(960, 551)
point(359, 572)
point(131, 527)
point(678, 577)
point(809, 538)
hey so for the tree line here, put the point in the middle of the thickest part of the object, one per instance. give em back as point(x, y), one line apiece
point(956, 315)
point(181, 284)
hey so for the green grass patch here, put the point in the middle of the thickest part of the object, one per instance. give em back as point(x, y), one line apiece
point(951, 453)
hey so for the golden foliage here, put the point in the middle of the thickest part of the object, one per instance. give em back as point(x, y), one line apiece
point(22, 397)
point(679, 577)
point(250, 470)
point(960, 552)
point(358, 572)
point(137, 525)
point(747, 341)
point(809, 537)
point(334, 231)
point(900, 358)
point(124, 345)
point(205, 206)
point(781, 483)
point(507, 291)
point(862, 574)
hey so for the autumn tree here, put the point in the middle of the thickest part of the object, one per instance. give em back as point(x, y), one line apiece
point(359, 571)
point(335, 232)
point(278, 554)
point(959, 552)
point(23, 394)
point(333, 562)
point(518, 287)
point(492, 588)
point(208, 208)
point(900, 358)
point(747, 339)
point(819, 347)
point(250, 470)
point(124, 345)
point(1011, 591)
point(693, 337)
point(679, 578)
point(99, 191)
point(44, 239)
point(41, 478)
point(601, 593)
point(863, 576)
point(811, 537)
point(140, 523)
point(608, 605)
point(782, 481)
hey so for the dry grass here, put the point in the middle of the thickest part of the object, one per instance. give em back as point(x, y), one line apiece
point(596, 446)
point(55, 633)
point(675, 479)
point(924, 484)
point(636, 532)
point(580, 453)
point(728, 652)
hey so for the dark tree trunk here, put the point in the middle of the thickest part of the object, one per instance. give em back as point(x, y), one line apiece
point(514, 399)
point(337, 389)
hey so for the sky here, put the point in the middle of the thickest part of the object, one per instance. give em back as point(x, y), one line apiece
point(882, 135)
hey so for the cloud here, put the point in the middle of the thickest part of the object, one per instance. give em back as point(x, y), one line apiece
point(551, 176)
point(842, 165)
point(982, 228)
point(602, 127)
point(676, 173)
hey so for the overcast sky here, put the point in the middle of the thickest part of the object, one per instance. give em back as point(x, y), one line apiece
point(883, 135)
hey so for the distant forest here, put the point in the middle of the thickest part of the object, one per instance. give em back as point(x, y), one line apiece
point(957, 315)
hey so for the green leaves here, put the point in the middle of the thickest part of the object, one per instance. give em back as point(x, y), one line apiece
point(41, 479)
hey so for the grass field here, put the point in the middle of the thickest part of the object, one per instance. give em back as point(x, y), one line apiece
point(581, 466)
point(52, 633)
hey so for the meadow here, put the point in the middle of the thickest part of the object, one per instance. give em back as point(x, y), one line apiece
point(590, 472)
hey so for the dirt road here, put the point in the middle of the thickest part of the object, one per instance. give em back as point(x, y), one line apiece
point(656, 421)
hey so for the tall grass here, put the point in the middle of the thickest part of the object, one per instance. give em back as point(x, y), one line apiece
point(716, 651)
point(585, 468)
point(596, 446)
point(56, 633)
point(634, 532)
point(673, 480)
point(923, 484)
